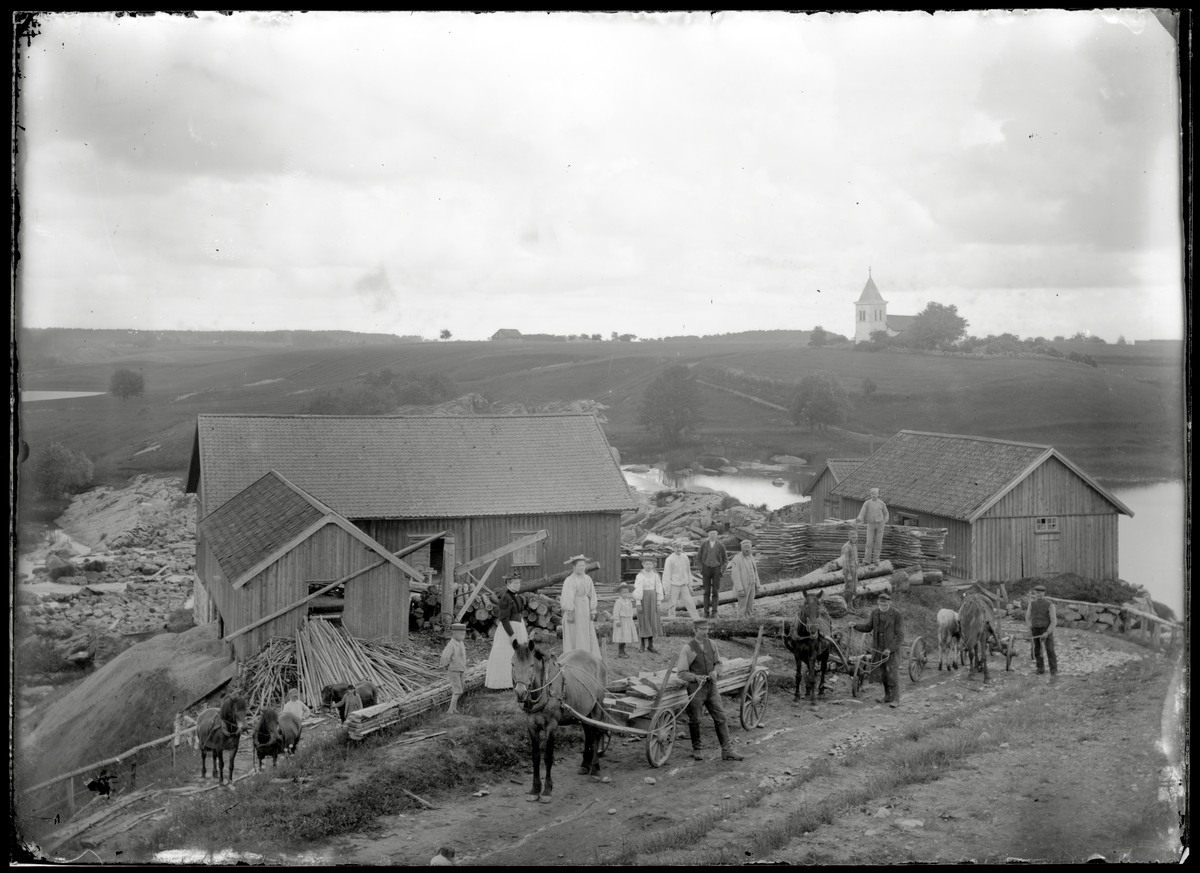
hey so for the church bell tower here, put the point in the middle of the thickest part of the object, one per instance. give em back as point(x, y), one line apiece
point(870, 312)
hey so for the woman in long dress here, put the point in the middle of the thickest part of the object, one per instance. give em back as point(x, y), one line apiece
point(509, 626)
point(648, 593)
point(578, 601)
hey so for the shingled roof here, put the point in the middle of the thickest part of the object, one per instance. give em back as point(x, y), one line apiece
point(432, 466)
point(957, 477)
point(839, 467)
point(900, 323)
point(870, 293)
point(260, 521)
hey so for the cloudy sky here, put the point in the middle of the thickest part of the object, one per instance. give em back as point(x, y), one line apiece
point(656, 175)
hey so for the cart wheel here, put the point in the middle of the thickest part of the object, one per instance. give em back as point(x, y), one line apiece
point(754, 700)
point(916, 660)
point(1010, 644)
point(856, 682)
point(660, 739)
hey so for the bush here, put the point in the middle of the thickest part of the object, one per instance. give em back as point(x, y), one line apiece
point(1069, 586)
point(126, 383)
point(60, 472)
point(821, 400)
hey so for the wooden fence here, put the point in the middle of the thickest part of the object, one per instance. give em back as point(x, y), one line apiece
point(1147, 629)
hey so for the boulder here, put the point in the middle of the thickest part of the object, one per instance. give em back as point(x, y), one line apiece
point(180, 620)
point(791, 460)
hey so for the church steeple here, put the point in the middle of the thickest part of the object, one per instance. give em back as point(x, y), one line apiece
point(870, 311)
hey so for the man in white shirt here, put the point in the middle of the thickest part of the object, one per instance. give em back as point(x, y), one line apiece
point(874, 514)
point(745, 580)
point(677, 578)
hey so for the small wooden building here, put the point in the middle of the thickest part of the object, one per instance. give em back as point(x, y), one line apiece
point(484, 480)
point(272, 542)
point(823, 504)
point(1012, 510)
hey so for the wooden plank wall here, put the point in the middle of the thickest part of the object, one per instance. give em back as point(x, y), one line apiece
point(597, 535)
point(1006, 548)
point(378, 604)
point(820, 490)
point(1051, 489)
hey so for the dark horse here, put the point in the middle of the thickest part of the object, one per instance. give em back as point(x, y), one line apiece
point(810, 641)
point(218, 732)
point(335, 695)
point(268, 738)
point(545, 687)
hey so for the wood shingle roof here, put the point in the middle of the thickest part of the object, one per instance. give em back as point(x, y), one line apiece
point(839, 468)
point(435, 466)
point(953, 476)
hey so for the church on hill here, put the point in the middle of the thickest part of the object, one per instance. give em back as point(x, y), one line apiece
point(871, 315)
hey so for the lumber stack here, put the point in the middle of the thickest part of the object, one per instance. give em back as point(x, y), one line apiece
point(791, 548)
point(634, 696)
point(408, 706)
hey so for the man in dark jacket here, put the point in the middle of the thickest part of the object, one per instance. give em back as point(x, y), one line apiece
point(713, 559)
point(886, 627)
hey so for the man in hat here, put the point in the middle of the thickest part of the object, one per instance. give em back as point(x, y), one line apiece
point(1042, 620)
point(677, 579)
point(745, 580)
point(713, 558)
point(886, 627)
point(699, 665)
point(454, 662)
point(874, 514)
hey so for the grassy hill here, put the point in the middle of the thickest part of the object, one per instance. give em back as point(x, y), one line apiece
point(1121, 421)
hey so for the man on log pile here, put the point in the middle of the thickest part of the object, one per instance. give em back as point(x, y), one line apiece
point(850, 566)
point(713, 558)
point(886, 627)
point(699, 665)
point(677, 579)
point(874, 514)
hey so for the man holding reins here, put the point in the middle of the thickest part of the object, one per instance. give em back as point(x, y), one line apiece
point(699, 665)
point(1041, 618)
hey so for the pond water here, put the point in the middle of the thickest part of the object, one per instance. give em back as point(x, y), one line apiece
point(1152, 543)
point(752, 490)
point(34, 396)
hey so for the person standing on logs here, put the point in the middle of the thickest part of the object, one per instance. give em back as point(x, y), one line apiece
point(509, 626)
point(578, 601)
point(850, 566)
point(874, 514)
point(647, 595)
point(713, 558)
point(745, 580)
point(677, 579)
point(699, 665)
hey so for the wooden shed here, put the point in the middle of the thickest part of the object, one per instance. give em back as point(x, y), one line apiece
point(823, 504)
point(272, 542)
point(486, 481)
point(1013, 510)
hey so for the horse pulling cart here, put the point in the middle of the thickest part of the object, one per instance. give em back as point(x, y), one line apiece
point(650, 705)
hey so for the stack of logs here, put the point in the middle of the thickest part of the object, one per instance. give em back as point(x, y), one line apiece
point(793, 548)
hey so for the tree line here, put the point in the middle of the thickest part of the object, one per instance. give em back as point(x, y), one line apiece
point(379, 393)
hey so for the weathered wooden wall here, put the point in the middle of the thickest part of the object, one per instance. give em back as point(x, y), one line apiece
point(821, 487)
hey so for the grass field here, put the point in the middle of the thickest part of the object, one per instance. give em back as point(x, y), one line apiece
point(1122, 421)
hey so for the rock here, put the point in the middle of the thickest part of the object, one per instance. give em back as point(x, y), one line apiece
point(882, 812)
point(909, 824)
point(788, 459)
point(650, 780)
point(612, 812)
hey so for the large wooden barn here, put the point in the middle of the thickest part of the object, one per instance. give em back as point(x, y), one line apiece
point(272, 541)
point(819, 490)
point(484, 480)
point(1013, 510)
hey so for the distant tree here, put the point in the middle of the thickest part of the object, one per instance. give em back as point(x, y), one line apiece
point(597, 337)
point(820, 401)
point(126, 384)
point(1121, 340)
point(869, 387)
point(60, 472)
point(615, 336)
point(1060, 338)
point(1082, 359)
point(818, 337)
point(445, 334)
point(325, 403)
point(671, 406)
point(936, 326)
point(628, 337)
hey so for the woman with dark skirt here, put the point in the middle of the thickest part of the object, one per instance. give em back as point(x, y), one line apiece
point(509, 626)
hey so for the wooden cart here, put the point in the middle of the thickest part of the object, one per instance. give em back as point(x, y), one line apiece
point(865, 665)
point(650, 705)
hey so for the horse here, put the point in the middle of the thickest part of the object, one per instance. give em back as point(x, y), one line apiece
point(545, 687)
point(218, 732)
point(335, 695)
point(290, 722)
point(268, 738)
point(809, 640)
point(978, 625)
point(949, 635)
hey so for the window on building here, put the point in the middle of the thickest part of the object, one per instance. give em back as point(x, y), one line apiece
point(908, 520)
point(1047, 525)
point(528, 556)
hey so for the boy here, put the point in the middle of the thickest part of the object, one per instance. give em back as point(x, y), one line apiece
point(454, 662)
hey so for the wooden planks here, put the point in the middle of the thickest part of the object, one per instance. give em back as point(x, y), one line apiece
point(635, 697)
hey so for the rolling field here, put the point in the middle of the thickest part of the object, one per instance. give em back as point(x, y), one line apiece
point(1120, 422)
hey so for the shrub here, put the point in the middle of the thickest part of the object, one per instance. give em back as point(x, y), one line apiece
point(60, 472)
point(820, 400)
point(126, 383)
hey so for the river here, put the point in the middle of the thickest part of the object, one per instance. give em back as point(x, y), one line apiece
point(34, 396)
point(1152, 543)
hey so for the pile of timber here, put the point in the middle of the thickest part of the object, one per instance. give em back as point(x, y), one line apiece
point(791, 548)
point(408, 706)
point(326, 654)
point(541, 611)
point(634, 697)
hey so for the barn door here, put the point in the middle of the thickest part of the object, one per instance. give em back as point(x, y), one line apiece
point(1048, 563)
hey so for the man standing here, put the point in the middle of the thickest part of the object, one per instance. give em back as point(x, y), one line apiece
point(850, 566)
point(745, 580)
point(677, 577)
point(699, 665)
point(712, 565)
point(1041, 618)
point(886, 627)
point(874, 514)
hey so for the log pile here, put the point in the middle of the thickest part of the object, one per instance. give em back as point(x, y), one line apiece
point(362, 722)
point(792, 548)
point(541, 610)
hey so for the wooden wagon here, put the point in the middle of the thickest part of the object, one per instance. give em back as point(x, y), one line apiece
point(649, 705)
point(862, 662)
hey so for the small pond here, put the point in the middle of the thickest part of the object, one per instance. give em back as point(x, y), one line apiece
point(34, 396)
point(750, 489)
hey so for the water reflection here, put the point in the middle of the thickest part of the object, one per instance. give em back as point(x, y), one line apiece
point(1151, 544)
point(750, 490)
point(34, 396)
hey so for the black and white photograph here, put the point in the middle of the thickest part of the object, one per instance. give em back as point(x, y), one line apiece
point(672, 439)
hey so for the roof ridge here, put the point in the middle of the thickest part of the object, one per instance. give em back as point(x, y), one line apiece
point(958, 436)
point(369, 417)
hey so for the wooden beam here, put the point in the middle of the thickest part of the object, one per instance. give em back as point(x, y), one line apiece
point(475, 593)
point(500, 552)
point(448, 574)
